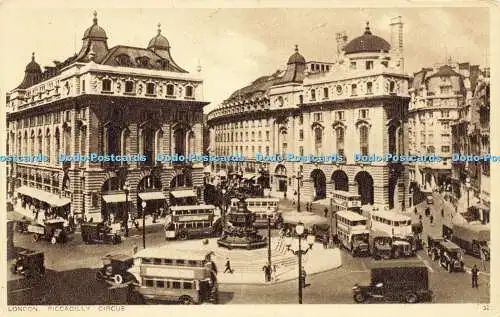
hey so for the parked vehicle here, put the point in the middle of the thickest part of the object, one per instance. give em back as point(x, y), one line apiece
point(433, 246)
point(29, 263)
point(115, 268)
point(350, 230)
point(450, 256)
point(98, 232)
point(22, 225)
point(396, 282)
point(416, 229)
point(52, 230)
point(474, 239)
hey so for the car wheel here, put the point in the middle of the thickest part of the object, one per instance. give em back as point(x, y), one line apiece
point(411, 298)
point(118, 279)
point(35, 237)
point(183, 236)
point(186, 300)
point(359, 298)
point(53, 240)
point(99, 276)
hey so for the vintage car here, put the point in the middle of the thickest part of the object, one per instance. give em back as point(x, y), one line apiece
point(402, 247)
point(450, 256)
point(52, 230)
point(29, 263)
point(380, 245)
point(432, 246)
point(404, 282)
point(98, 232)
point(473, 238)
point(22, 225)
point(115, 268)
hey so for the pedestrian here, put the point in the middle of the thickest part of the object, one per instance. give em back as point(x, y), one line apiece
point(325, 212)
point(267, 272)
point(442, 212)
point(475, 273)
point(326, 240)
point(228, 267)
point(134, 250)
point(273, 278)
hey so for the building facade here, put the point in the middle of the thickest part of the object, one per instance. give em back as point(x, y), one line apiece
point(355, 105)
point(131, 102)
point(437, 95)
point(471, 136)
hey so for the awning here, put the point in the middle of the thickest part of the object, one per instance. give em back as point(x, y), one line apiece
point(114, 198)
point(183, 193)
point(248, 176)
point(49, 198)
point(151, 195)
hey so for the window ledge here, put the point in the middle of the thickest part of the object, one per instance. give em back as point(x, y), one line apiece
point(171, 96)
point(129, 93)
point(108, 92)
point(149, 95)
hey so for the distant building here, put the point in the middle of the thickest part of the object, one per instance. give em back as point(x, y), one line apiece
point(437, 95)
point(130, 101)
point(471, 136)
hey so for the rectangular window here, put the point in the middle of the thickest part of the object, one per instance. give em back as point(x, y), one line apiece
point(339, 115)
point(301, 150)
point(176, 285)
point(445, 114)
point(267, 135)
point(354, 90)
point(313, 94)
point(445, 149)
point(160, 284)
point(325, 93)
point(106, 85)
point(301, 134)
point(129, 87)
point(149, 283)
point(363, 113)
point(267, 150)
point(369, 88)
point(83, 85)
point(369, 65)
point(301, 119)
point(353, 65)
point(150, 89)
point(318, 116)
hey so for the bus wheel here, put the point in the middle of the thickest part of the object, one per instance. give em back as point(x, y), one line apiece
point(99, 276)
point(186, 300)
point(359, 297)
point(183, 236)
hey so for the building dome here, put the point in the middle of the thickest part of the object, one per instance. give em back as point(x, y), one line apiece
point(296, 57)
point(159, 41)
point(33, 67)
point(367, 43)
point(95, 31)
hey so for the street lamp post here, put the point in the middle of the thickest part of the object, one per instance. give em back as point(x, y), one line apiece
point(298, 177)
point(223, 211)
point(330, 229)
point(269, 216)
point(467, 185)
point(126, 188)
point(299, 230)
point(143, 204)
point(411, 196)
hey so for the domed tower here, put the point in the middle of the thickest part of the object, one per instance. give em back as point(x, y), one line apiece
point(365, 50)
point(295, 68)
point(32, 74)
point(95, 46)
point(160, 45)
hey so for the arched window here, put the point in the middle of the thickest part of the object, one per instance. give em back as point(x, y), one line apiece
point(189, 91)
point(106, 84)
point(401, 147)
point(40, 140)
point(283, 143)
point(129, 86)
point(369, 88)
point(392, 140)
point(354, 90)
point(170, 90)
point(32, 144)
point(363, 139)
point(180, 142)
point(113, 138)
point(313, 94)
point(318, 139)
point(340, 140)
point(150, 88)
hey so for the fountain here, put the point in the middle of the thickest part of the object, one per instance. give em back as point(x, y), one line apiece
point(241, 234)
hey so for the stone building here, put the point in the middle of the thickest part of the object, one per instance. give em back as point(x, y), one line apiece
point(355, 105)
point(437, 95)
point(130, 101)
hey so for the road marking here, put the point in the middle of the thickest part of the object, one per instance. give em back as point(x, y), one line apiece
point(426, 263)
point(21, 290)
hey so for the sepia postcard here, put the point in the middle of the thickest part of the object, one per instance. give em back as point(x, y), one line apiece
point(256, 155)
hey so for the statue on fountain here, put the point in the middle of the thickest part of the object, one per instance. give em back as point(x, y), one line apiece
point(241, 233)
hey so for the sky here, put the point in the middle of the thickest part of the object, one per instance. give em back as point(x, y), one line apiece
point(234, 46)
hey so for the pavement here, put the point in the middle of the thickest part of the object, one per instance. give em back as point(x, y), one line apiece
point(247, 265)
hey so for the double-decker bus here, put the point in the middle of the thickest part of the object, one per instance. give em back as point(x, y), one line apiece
point(343, 200)
point(184, 222)
point(351, 232)
point(181, 276)
point(260, 206)
point(398, 227)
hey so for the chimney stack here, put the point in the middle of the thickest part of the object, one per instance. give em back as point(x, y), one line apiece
point(397, 41)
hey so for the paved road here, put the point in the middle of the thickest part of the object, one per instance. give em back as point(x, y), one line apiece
point(71, 268)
